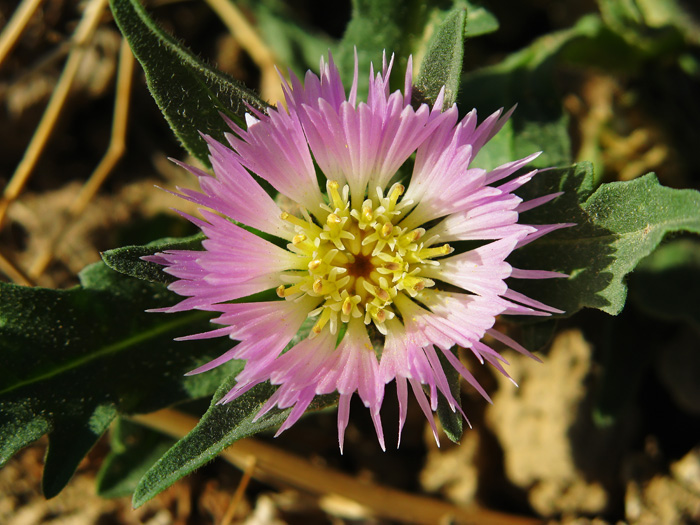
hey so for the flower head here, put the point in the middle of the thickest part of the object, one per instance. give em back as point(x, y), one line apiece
point(382, 191)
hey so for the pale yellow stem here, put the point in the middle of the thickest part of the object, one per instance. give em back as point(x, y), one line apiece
point(248, 38)
point(115, 150)
point(15, 275)
point(117, 144)
point(230, 513)
point(82, 35)
point(12, 31)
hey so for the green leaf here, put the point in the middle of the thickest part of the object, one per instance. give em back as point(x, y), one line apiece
point(221, 426)
point(442, 65)
point(450, 420)
point(134, 450)
point(394, 26)
point(621, 14)
point(479, 21)
point(652, 27)
point(526, 78)
point(651, 24)
point(294, 44)
point(72, 360)
point(671, 13)
point(617, 226)
point(127, 259)
point(190, 94)
point(640, 213)
point(667, 283)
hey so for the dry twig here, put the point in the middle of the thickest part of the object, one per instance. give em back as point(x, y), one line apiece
point(115, 150)
point(81, 37)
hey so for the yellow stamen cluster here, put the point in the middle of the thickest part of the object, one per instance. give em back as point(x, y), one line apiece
point(359, 258)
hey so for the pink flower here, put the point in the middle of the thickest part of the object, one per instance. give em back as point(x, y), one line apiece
point(367, 258)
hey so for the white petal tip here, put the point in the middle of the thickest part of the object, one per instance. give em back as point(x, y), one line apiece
point(250, 120)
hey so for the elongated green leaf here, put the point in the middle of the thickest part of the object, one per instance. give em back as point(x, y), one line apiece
point(221, 426)
point(442, 65)
point(667, 283)
point(450, 420)
point(190, 94)
point(652, 25)
point(526, 78)
point(294, 44)
point(617, 226)
point(394, 26)
point(73, 359)
point(127, 259)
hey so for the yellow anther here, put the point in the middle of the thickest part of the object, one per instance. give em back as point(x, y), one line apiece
point(322, 321)
point(427, 253)
point(416, 234)
point(435, 252)
point(367, 213)
point(286, 292)
point(379, 293)
point(380, 316)
point(347, 306)
point(332, 187)
point(392, 266)
point(324, 287)
point(383, 294)
point(298, 238)
point(413, 284)
point(394, 194)
point(335, 224)
point(315, 264)
point(386, 229)
point(296, 221)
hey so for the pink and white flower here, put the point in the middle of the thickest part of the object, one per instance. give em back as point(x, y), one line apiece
point(367, 257)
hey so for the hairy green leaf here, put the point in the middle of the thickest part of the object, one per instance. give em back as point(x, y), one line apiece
point(128, 259)
point(394, 26)
point(190, 94)
point(616, 227)
point(221, 426)
point(73, 359)
point(442, 65)
point(450, 420)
